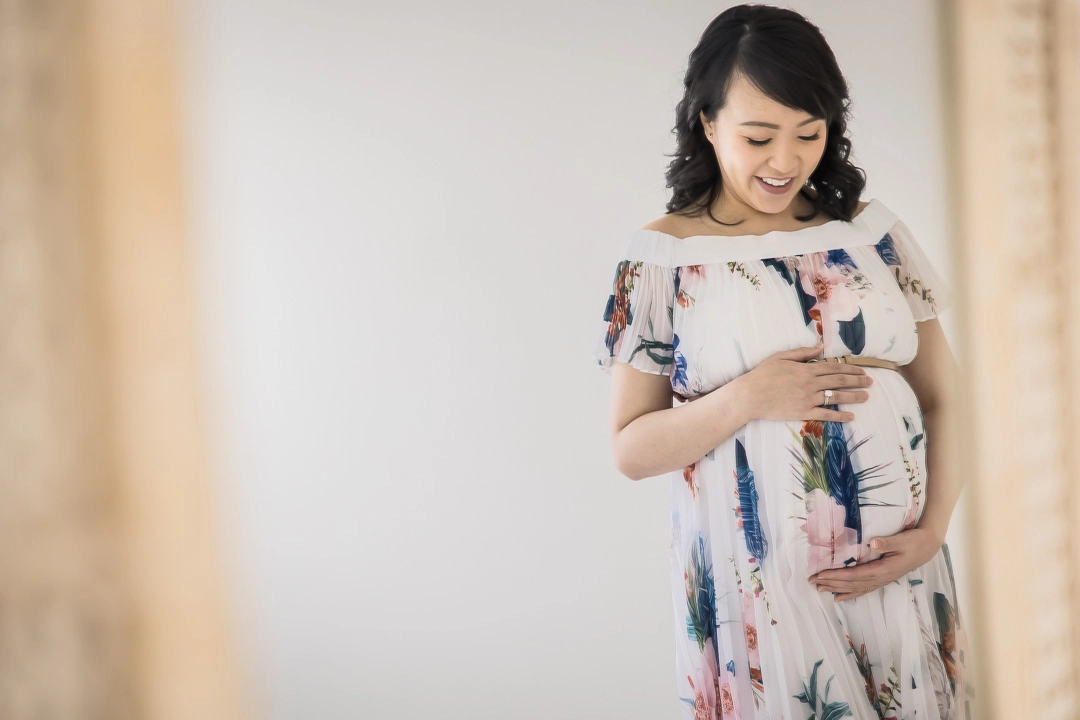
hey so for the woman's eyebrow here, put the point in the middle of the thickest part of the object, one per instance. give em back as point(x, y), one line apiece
point(777, 127)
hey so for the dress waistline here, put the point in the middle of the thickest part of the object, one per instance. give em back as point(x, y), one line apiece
point(846, 359)
point(856, 360)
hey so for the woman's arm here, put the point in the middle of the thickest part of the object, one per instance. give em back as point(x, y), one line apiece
point(933, 375)
point(649, 437)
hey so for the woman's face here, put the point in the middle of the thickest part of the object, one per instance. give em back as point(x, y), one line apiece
point(756, 137)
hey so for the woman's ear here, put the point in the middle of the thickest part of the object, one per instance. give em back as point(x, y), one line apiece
point(705, 124)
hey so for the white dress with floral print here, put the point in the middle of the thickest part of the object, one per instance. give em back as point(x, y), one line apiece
point(781, 500)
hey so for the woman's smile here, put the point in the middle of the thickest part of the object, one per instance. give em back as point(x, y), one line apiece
point(774, 189)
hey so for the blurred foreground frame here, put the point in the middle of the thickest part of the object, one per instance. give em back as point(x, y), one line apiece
point(112, 600)
point(1013, 95)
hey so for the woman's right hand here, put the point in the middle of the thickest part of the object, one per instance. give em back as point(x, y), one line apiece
point(784, 386)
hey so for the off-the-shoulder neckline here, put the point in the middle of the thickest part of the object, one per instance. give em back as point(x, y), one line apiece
point(872, 202)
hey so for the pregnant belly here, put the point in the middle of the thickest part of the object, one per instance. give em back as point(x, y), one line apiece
point(847, 483)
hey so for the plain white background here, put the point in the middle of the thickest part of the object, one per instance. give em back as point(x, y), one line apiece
point(406, 217)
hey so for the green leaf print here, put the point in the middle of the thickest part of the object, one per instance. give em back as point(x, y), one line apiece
point(947, 629)
point(738, 268)
point(700, 595)
point(862, 661)
point(916, 437)
point(889, 694)
point(914, 286)
point(828, 710)
point(853, 333)
point(812, 467)
point(660, 352)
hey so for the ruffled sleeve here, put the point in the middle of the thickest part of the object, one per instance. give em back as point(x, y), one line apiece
point(927, 292)
point(636, 327)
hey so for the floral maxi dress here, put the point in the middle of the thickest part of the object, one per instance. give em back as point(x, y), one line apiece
point(778, 501)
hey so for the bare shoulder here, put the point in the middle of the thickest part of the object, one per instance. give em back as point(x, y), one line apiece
point(671, 224)
point(682, 226)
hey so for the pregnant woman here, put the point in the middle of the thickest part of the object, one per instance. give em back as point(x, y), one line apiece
point(809, 503)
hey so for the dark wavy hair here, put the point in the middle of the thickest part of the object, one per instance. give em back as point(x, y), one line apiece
point(786, 57)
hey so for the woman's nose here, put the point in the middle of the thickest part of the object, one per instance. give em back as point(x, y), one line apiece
point(789, 170)
point(785, 159)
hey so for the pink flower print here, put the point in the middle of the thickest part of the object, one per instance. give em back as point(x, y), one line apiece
point(707, 692)
point(835, 300)
point(831, 544)
point(701, 710)
point(750, 629)
point(727, 707)
point(694, 272)
point(912, 514)
point(709, 670)
point(738, 507)
point(688, 474)
point(689, 278)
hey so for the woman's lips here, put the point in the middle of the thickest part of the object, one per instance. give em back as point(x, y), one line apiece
point(775, 190)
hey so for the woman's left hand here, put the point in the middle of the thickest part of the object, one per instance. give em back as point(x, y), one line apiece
point(902, 553)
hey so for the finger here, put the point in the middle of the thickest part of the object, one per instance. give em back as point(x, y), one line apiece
point(844, 584)
point(856, 574)
point(844, 587)
point(863, 574)
point(841, 381)
point(857, 592)
point(799, 353)
point(853, 574)
point(853, 585)
point(824, 368)
point(846, 396)
point(825, 415)
point(834, 589)
point(850, 596)
point(847, 591)
point(867, 572)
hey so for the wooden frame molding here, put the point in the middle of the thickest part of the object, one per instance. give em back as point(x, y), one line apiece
point(1013, 120)
point(186, 662)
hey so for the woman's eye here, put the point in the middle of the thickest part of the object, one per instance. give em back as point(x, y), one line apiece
point(759, 143)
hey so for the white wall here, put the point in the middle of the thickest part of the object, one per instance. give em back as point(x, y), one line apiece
point(406, 217)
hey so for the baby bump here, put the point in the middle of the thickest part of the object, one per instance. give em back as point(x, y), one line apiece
point(834, 486)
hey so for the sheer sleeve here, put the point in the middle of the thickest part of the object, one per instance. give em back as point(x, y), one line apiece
point(927, 292)
point(636, 326)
